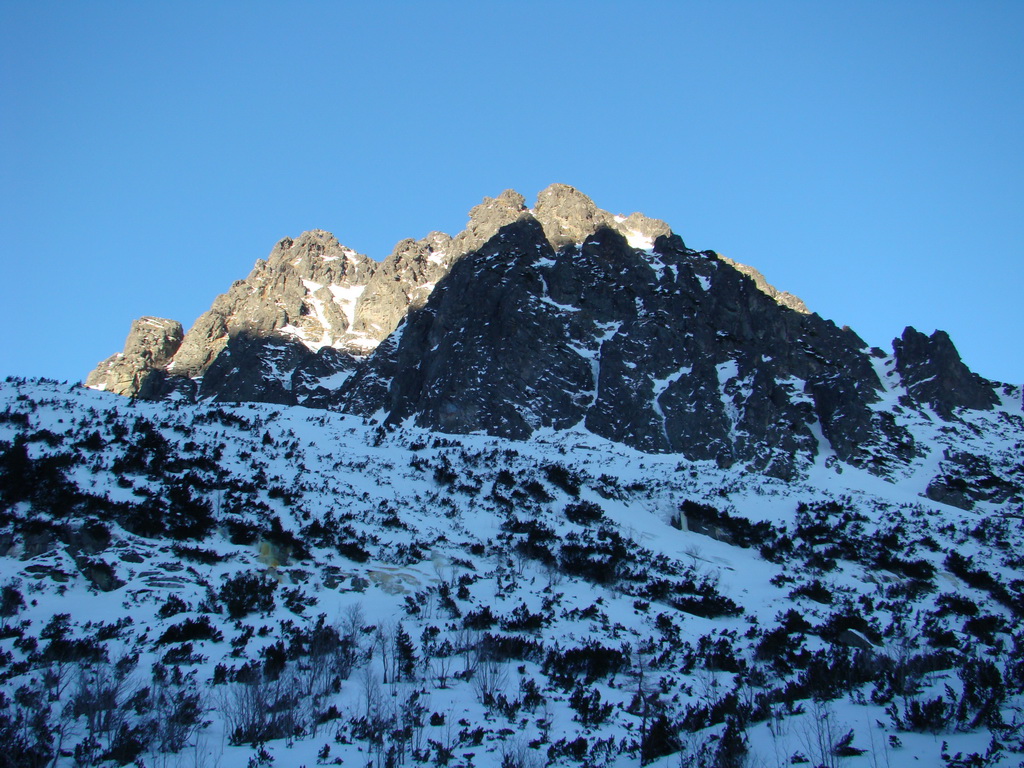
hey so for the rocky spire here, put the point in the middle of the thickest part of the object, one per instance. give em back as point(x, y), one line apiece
point(487, 218)
point(933, 373)
point(151, 343)
point(568, 216)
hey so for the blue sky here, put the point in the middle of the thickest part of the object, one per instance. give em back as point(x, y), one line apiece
point(867, 157)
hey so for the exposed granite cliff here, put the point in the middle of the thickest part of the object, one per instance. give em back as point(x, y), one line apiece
point(933, 373)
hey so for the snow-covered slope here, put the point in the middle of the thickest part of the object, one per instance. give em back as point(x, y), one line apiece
point(208, 584)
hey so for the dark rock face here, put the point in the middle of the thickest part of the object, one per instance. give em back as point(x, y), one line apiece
point(273, 369)
point(933, 373)
point(663, 350)
point(964, 479)
point(464, 361)
point(252, 367)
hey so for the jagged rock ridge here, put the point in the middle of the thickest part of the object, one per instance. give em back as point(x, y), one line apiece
point(565, 316)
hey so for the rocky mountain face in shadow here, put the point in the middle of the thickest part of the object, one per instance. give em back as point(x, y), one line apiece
point(558, 317)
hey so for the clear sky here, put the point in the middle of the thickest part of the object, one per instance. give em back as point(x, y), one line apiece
point(866, 156)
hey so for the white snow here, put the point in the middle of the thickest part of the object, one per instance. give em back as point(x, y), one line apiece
point(346, 296)
point(639, 241)
point(342, 469)
point(727, 371)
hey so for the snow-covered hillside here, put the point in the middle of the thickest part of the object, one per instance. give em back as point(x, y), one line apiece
point(216, 585)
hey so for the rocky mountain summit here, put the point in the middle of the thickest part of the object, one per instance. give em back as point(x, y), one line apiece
point(563, 316)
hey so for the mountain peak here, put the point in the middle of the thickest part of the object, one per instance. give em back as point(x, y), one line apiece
point(567, 215)
point(934, 374)
point(488, 217)
point(563, 316)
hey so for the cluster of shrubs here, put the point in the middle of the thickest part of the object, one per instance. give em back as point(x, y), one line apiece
point(705, 518)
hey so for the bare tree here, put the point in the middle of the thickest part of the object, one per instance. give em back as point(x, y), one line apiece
point(467, 642)
point(819, 735)
point(384, 641)
point(779, 728)
point(370, 685)
point(515, 753)
point(644, 690)
point(58, 675)
point(263, 709)
point(489, 680)
point(353, 621)
point(330, 659)
point(553, 575)
point(98, 699)
point(441, 663)
point(176, 709)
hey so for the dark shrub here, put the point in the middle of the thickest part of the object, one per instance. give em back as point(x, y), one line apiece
point(706, 519)
point(814, 590)
point(522, 620)
point(241, 531)
point(584, 512)
point(538, 492)
point(564, 478)
point(592, 661)
point(191, 629)
point(482, 618)
point(505, 647)
point(172, 607)
point(949, 603)
point(248, 593)
point(660, 740)
point(187, 517)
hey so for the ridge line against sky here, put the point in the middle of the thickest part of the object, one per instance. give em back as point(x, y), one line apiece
point(867, 158)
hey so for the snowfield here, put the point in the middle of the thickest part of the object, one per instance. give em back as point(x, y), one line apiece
point(217, 585)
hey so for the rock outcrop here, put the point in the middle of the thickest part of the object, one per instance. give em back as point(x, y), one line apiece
point(151, 343)
point(933, 373)
point(306, 290)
